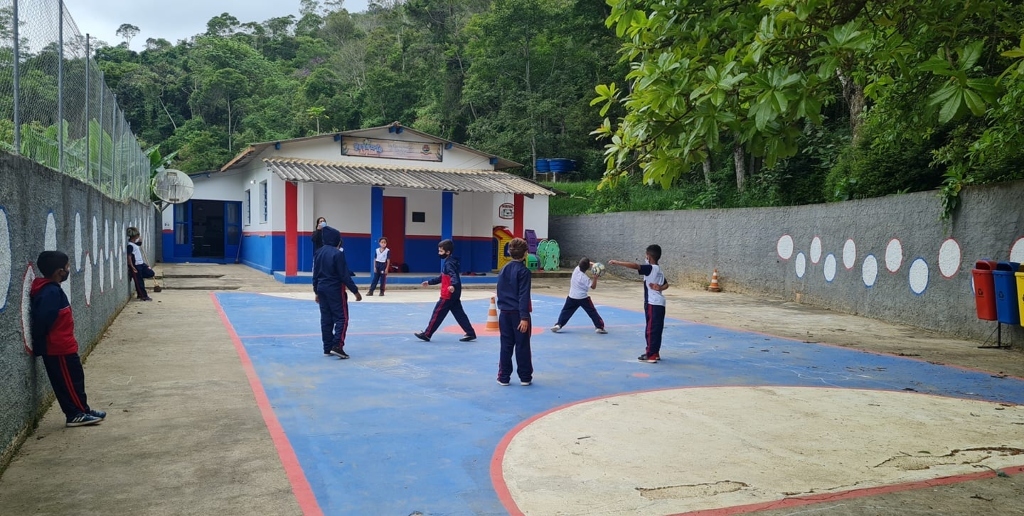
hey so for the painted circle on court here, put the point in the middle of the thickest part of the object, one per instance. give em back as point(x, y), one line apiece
point(869, 270)
point(6, 263)
point(849, 254)
point(50, 233)
point(830, 267)
point(784, 247)
point(78, 242)
point(801, 265)
point(815, 249)
point(949, 258)
point(88, 279)
point(918, 276)
point(894, 255)
point(26, 303)
point(1017, 251)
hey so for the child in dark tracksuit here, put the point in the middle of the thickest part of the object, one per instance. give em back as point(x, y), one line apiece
point(514, 307)
point(53, 338)
point(451, 296)
point(330, 278)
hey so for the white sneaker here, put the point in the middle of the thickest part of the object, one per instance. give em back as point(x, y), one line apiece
point(602, 331)
point(524, 384)
point(556, 328)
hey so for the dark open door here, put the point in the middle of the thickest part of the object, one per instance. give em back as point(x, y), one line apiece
point(232, 230)
point(394, 228)
point(183, 230)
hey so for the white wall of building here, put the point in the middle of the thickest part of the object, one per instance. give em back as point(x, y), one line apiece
point(426, 201)
point(346, 207)
point(326, 149)
point(535, 213)
point(215, 187)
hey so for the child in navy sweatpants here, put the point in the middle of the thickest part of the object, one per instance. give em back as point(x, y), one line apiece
point(514, 307)
point(53, 338)
point(451, 296)
point(331, 277)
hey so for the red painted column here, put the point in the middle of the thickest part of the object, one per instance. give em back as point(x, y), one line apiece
point(517, 222)
point(291, 229)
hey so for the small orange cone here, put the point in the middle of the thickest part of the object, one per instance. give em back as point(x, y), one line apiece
point(492, 317)
point(713, 287)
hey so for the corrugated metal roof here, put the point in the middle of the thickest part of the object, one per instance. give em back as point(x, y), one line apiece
point(453, 180)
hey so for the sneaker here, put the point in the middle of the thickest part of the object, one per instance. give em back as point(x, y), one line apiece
point(422, 336)
point(327, 352)
point(339, 352)
point(467, 338)
point(524, 384)
point(503, 384)
point(556, 328)
point(650, 359)
point(369, 294)
point(147, 298)
point(99, 414)
point(602, 331)
point(82, 419)
point(381, 294)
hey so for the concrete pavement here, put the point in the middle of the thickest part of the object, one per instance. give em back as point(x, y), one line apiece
point(186, 434)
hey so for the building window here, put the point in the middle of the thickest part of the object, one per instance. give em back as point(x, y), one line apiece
point(263, 201)
point(419, 216)
point(248, 207)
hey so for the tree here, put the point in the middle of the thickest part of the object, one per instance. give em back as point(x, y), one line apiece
point(127, 31)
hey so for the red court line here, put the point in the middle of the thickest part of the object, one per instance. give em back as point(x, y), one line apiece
point(505, 496)
point(300, 486)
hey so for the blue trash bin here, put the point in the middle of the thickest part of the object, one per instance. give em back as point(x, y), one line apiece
point(1006, 292)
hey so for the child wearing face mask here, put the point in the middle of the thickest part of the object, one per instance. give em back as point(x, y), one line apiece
point(53, 338)
point(318, 237)
point(451, 295)
point(654, 301)
point(137, 261)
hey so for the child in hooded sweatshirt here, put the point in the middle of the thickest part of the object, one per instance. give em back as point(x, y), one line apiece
point(451, 295)
point(331, 276)
point(53, 338)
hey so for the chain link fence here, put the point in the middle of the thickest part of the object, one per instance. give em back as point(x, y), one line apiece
point(55, 107)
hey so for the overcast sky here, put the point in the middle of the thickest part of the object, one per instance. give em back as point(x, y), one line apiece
point(174, 19)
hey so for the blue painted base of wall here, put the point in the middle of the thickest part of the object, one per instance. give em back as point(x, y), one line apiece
point(393, 278)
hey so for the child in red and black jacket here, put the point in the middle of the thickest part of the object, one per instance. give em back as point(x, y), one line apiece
point(53, 338)
point(451, 295)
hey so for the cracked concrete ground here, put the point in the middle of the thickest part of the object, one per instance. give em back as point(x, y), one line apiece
point(192, 440)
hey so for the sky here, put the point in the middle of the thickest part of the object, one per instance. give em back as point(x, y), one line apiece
point(173, 19)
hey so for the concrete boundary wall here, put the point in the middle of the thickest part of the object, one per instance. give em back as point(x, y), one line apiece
point(42, 209)
point(888, 258)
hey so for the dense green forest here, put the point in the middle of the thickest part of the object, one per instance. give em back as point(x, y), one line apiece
point(720, 102)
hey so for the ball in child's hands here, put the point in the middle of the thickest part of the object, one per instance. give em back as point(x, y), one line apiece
point(596, 269)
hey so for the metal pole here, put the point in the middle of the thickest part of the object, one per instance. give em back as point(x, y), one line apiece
point(17, 84)
point(113, 140)
point(99, 161)
point(60, 85)
point(88, 121)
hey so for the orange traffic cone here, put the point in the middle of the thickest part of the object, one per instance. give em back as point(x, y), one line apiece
point(492, 317)
point(713, 287)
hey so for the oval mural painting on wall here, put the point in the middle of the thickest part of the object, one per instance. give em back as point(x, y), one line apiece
point(815, 250)
point(6, 265)
point(830, 268)
point(869, 271)
point(918, 276)
point(949, 258)
point(784, 247)
point(849, 254)
point(894, 255)
point(801, 265)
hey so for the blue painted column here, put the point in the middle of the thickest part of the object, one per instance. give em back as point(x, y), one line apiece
point(447, 199)
point(376, 218)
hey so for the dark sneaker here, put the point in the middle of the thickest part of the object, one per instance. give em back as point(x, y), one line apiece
point(327, 352)
point(650, 359)
point(467, 338)
point(524, 383)
point(503, 383)
point(98, 413)
point(422, 336)
point(82, 419)
point(339, 352)
point(369, 294)
point(381, 294)
point(147, 298)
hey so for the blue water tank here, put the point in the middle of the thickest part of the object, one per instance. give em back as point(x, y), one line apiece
point(543, 165)
point(559, 165)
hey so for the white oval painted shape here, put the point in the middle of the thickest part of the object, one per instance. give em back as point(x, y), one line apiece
point(801, 265)
point(78, 242)
point(6, 259)
point(88, 279)
point(830, 268)
point(95, 237)
point(894, 255)
point(815, 250)
point(949, 258)
point(50, 233)
point(1017, 251)
point(106, 239)
point(918, 276)
point(869, 270)
point(849, 254)
point(784, 247)
point(26, 303)
point(99, 262)
point(111, 262)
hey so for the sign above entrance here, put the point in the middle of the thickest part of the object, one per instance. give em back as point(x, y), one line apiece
point(394, 149)
point(507, 211)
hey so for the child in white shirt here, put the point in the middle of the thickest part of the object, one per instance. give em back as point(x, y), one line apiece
point(579, 285)
point(380, 266)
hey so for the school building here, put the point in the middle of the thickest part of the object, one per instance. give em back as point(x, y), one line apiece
point(411, 187)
